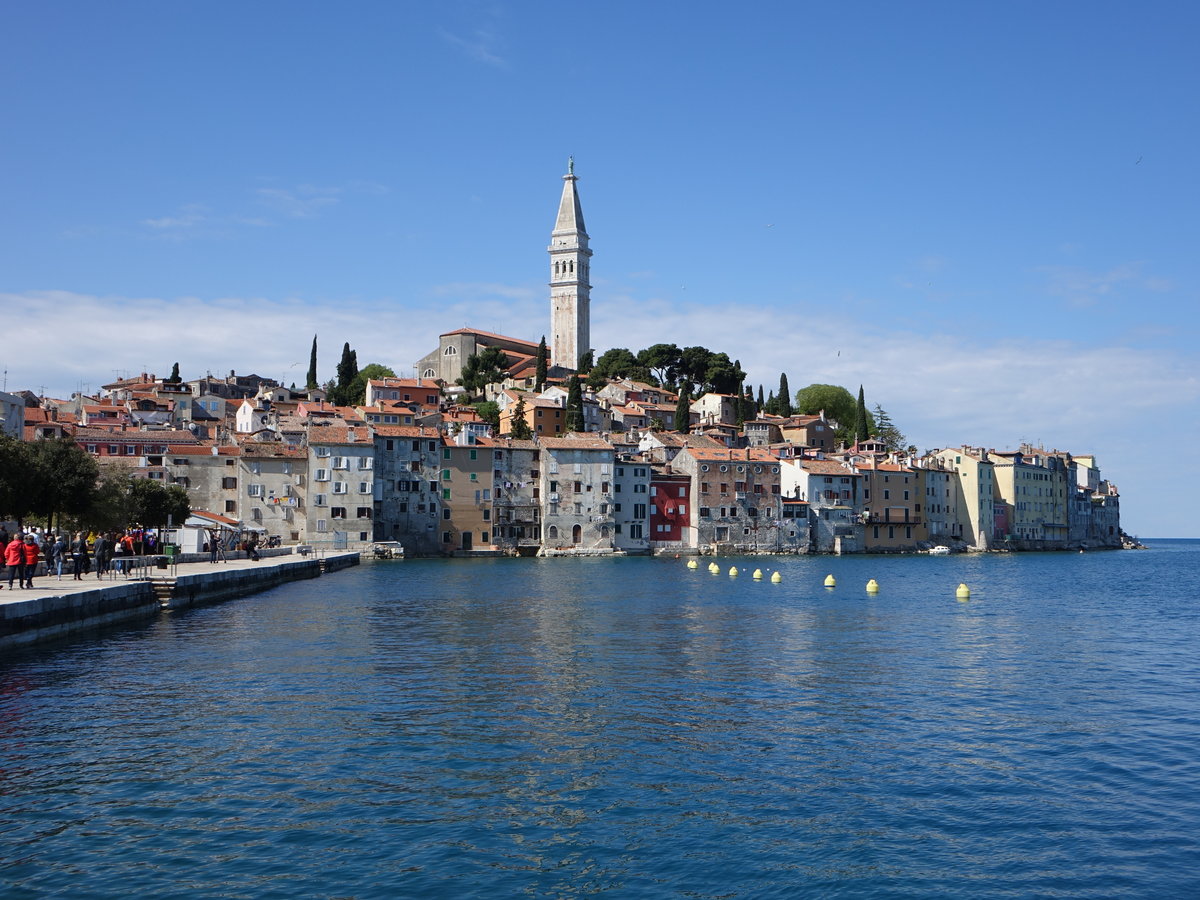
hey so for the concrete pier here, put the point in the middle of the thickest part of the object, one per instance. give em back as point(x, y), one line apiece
point(55, 609)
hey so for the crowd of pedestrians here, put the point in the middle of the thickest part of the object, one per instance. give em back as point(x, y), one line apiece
point(110, 551)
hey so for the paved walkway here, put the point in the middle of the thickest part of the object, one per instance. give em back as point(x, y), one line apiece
point(51, 586)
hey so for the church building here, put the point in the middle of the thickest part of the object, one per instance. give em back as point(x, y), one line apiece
point(570, 299)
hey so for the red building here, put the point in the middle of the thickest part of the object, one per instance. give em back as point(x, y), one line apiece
point(670, 502)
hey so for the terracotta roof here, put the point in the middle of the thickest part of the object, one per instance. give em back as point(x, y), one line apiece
point(572, 442)
point(824, 467)
point(490, 334)
point(404, 431)
point(340, 434)
point(203, 450)
point(276, 450)
point(753, 454)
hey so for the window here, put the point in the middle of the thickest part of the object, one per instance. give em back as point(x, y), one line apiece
point(321, 451)
point(228, 484)
point(337, 512)
point(705, 512)
point(255, 490)
point(320, 499)
point(321, 475)
point(230, 506)
point(339, 487)
point(322, 525)
point(364, 487)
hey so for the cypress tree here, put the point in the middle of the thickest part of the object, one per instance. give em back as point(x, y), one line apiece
point(543, 358)
point(174, 377)
point(785, 396)
point(861, 430)
point(574, 405)
point(683, 414)
point(347, 371)
point(761, 404)
point(741, 407)
point(311, 383)
point(772, 405)
point(518, 427)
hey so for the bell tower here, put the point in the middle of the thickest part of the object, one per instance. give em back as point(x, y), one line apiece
point(570, 292)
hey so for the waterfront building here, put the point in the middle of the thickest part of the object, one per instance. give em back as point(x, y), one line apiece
point(834, 496)
point(631, 501)
point(892, 496)
point(341, 460)
point(736, 498)
point(670, 510)
point(406, 487)
point(273, 485)
point(465, 482)
point(1033, 488)
point(577, 493)
point(516, 496)
point(973, 470)
point(941, 501)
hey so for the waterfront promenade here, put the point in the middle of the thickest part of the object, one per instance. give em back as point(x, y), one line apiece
point(56, 608)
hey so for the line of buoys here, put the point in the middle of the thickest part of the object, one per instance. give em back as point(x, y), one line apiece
point(963, 592)
point(830, 581)
point(872, 586)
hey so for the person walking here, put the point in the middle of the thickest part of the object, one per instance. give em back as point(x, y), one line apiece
point(60, 553)
point(100, 553)
point(79, 555)
point(32, 551)
point(14, 558)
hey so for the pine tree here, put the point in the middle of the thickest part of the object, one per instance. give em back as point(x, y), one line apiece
point(574, 405)
point(862, 430)
point(518, 427)
point(683, 414)
point(543, 358)
point(785, 397)
point(311, 383)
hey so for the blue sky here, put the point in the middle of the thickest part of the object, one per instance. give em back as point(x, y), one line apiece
point(984, 213)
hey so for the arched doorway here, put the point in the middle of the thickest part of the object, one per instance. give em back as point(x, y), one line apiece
point(576, 534)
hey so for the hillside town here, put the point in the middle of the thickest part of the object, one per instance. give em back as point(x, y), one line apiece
point(610, 465)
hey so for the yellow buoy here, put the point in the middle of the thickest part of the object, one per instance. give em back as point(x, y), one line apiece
point(830, 581)
point(963, 592)
point(776, 578)
point(733, 570)
point(692, 564)
point(872, 586)
point(757, 574)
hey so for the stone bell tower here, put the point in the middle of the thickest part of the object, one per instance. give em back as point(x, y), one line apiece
point(570, 292)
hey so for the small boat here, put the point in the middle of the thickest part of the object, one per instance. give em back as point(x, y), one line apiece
point(939, 551)
point(387, 550)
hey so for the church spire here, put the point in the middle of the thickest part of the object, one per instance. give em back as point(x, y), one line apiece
point(570, 292)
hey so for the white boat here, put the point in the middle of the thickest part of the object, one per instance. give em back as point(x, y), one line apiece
point(387, 550)
point(939, 551)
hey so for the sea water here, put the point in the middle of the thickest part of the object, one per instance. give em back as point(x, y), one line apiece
point(630, 728)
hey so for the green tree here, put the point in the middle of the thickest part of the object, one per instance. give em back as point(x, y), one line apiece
point(311, 384)
point(693, 365)
point(761, 403)
point(661, 361)
point(861, 428)
point(772, 405)
point(111, 507)
point(586, 361)
point(16, 499)
point(723, 376)
point(617, 363)
point(489, 412)
point(347, 371)
point(154, 504)
point(887, 432)
point(683, 413)
point(356, 394)
point(784, 400)
point(519, 427)
point(482, 369)
point(61, 478)
point(175, 377)
point(574, 405)
point(543, 361)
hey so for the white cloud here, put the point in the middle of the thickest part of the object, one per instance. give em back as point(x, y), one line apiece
point(479, 45)
point(304, 201)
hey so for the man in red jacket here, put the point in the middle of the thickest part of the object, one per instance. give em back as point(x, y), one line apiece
point(32, 552)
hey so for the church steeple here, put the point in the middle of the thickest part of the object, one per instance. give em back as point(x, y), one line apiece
point(570, 292)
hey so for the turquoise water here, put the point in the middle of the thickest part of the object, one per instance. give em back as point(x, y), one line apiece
point(629, 728)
